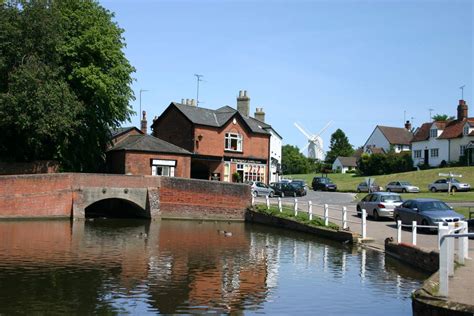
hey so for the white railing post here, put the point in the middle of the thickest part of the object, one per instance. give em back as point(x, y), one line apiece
point(296, 207)
point(344, 217)
point(443, 262)
point(463, 243)
point(267, 200)
point(440, 234)
point(310, 210)
point(399, 232)
point(279, 204)
point(413, 232)
point(451, 250)
point(364, 223)
point(326, 215)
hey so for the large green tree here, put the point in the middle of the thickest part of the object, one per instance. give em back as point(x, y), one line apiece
point(442, 117)
point(64, 81)
point(293, 161)
point(339, 146)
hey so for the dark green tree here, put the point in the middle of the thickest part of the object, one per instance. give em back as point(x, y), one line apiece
point(294, 162)
point(339, 146)
point(64, 82)
point(442, 117)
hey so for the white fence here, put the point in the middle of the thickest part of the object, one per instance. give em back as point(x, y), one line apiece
point(340, 213)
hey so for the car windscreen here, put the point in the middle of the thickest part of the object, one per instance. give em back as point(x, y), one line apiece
point(405, 183)
point(296, 184)
point(433, 206)
point(390, 198)
point(453, 180)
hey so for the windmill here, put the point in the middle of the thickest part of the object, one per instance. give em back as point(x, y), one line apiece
point(315, 142)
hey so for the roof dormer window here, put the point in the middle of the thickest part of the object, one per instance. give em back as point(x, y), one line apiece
point(466, 130)
point(433, 132)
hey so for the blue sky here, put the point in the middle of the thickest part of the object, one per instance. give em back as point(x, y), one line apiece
point(356, 63)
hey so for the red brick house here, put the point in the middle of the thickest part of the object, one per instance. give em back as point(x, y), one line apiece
point(223, 142)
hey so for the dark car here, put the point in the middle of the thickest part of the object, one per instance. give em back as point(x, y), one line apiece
point(288, 189)
point(302, 183)
point(426, 212)
point(323, 183)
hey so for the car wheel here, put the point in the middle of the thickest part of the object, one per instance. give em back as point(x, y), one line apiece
point(254, 193)
point(271, 194)
point(389, 190)
point(433, 189)
point(425, 223)
point(358, 190)
point(404, 190)
point(398, 218)
point(376, 215)
point(359, 211)
point(454, 189)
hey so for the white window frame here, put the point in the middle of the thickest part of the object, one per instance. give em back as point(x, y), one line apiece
point(164, 168)
point(462, 150)
point(417, 153)
point(466, 130)
point(233, 142)
point(434, 152)
point(433, 132)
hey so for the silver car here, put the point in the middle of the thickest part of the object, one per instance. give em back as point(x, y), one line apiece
point(402, 186)
point(442, 185)
point(379, 204)
point(261, 189)
point(363, 187)
point(426, 212)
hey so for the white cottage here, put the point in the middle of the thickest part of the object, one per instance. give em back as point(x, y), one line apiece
point(441, 142)
point(344, 164)
point(383, 138)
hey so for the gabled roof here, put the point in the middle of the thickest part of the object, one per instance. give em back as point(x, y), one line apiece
point(451, 129)
point(115, 132)
point(348, 161)
point(148, 143)
point(396, 135)
point(219, 117)
point(376, 150)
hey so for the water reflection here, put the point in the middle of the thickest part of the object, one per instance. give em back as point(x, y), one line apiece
point(118, 266)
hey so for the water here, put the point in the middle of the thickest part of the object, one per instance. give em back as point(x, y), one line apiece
point(163, 267)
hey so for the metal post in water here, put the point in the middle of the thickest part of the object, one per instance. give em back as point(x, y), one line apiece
point(399, 232)
point(344, 217)
point(279, 204)
point(326, 215)
point(364, 223)
point(413, 232)
point(310, 210)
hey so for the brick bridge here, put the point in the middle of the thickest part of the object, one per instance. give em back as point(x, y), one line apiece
point(73, 195)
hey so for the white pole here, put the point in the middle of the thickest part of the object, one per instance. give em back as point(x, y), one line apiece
point(461, 242)
point(413, 233)
point(326, 215)
point(364, 223)
point(399, 232)
point(344, 217)
point(279, 204)
point(296, 207)
point(267, 200)
point(253, 200)
point(450, 251)
point(310, 210)
point(466, 240)
point(440, 234)
point(443, 264)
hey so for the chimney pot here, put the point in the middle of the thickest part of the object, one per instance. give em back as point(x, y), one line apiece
point(143, 123)
point(259, 115)
point(182, 101)
point(408, 125)
point(462, 110)
point(243, 103)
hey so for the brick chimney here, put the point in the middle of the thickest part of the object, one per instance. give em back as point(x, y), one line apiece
point(243, 103)
point(260, 115)
point(143, 125)
point(462, 110)
point(408, 125)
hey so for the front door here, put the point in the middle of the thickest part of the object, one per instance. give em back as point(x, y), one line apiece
point(426, 157)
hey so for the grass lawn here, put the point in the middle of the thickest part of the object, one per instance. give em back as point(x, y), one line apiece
point(421, 178)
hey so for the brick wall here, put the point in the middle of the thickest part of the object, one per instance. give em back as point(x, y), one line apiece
point(140, 163)
point(53, 195)
point(413, 255)
point(174, 128)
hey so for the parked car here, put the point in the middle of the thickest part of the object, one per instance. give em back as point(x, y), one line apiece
point(442, 185)
point(379, 204)
point(402, 186)
point(288, 189)
point(323, 183)
point(426, 212)
point(260, 189)
point(363, 187)
point(302, 183)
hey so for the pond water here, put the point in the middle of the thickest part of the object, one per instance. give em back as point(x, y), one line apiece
point(164, 267)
